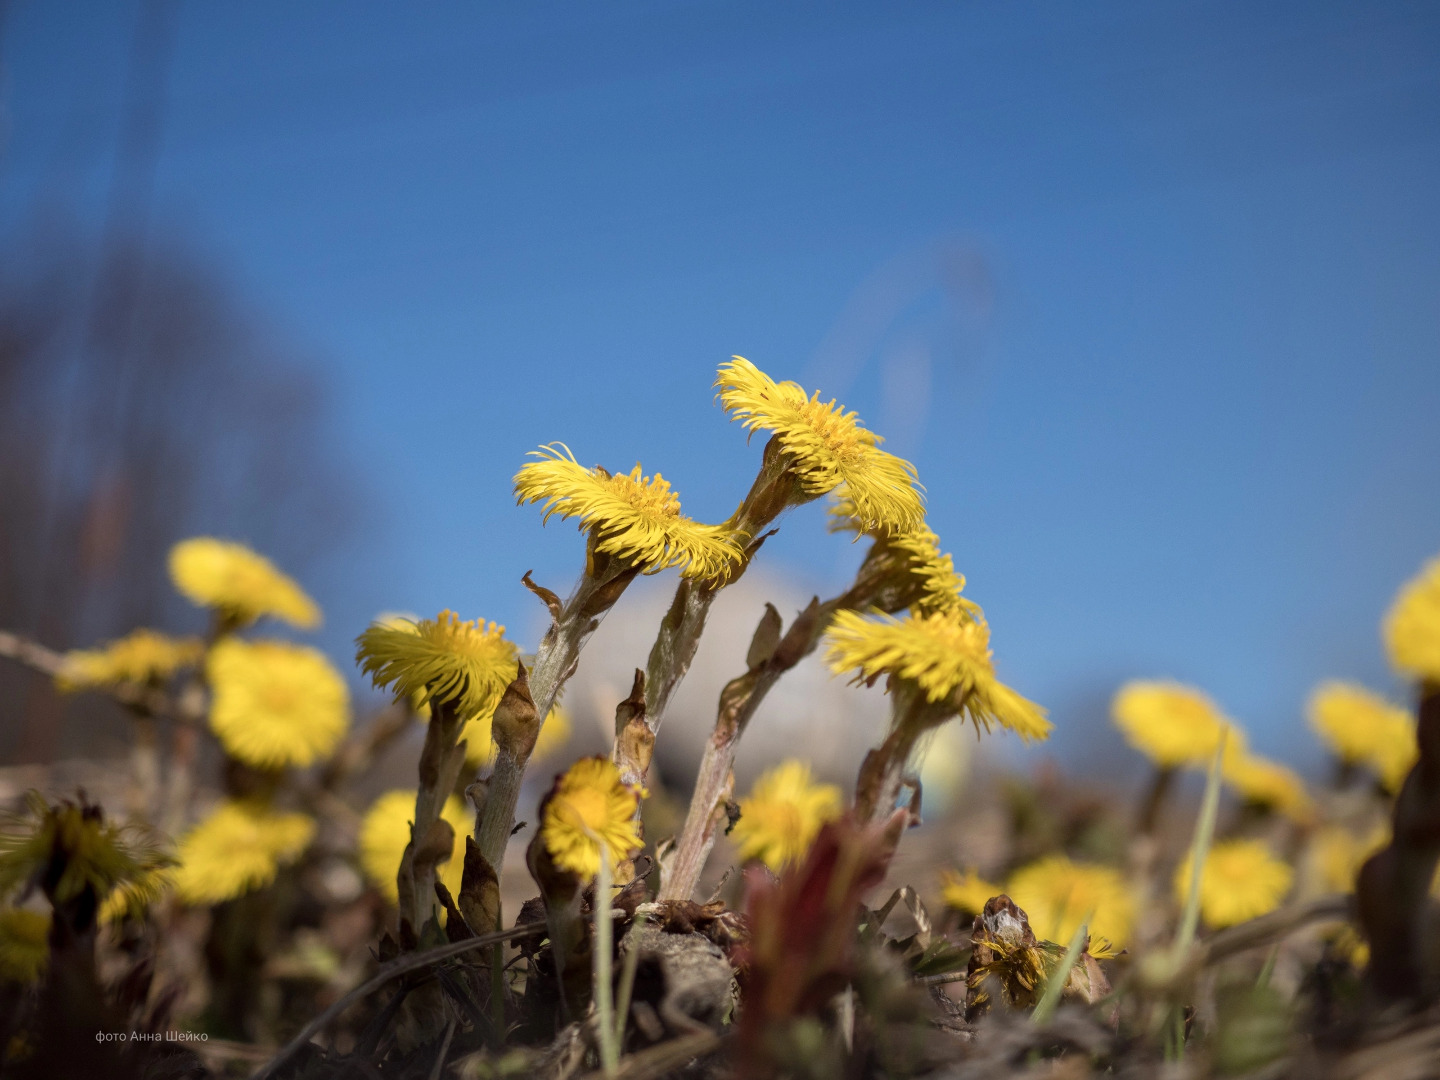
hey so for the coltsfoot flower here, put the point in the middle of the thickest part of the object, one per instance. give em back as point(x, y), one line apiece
point(941, 586)
point(480, 744)
point(276, 704)
point(633, 517)
point(237, 582)
point(1361, 728)
point(1241, 880)
point(783, 814)
point(827, 446)
point(1171, 724)
point(441, 659)
point(142, 657)
point(1060, 895)
point(946, 655)
point(1267, 783)
point(1412, 626)
point(75, 840)
point(385, 832)
point(24, 944)
point(967, 892)
point(589, 806)
point(239, 847)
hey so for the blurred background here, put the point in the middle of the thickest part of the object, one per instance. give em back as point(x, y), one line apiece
point(1150, 294)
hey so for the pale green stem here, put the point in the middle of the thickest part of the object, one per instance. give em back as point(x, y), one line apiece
point(1200, 851)
point(604, 943)
point(1055, 982)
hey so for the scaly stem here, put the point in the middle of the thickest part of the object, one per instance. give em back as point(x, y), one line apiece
point(774, 490)
point(555, 661)
point(882, 774)
point(440, 764)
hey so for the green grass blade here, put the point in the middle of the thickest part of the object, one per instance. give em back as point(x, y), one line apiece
point(1055, 983)
point(1200, 851)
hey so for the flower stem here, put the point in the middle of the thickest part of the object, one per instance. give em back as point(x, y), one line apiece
point(604, 955)
point(555, 661)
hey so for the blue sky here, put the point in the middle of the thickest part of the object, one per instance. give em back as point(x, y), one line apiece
point(1150, 293)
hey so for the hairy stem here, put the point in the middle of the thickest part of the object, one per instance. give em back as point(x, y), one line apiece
point(883, 772)
point(555, 661)
point(440, 764)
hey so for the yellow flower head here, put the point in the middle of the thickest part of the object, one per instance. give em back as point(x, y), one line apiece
point(480, 744)
point(967, 893)
point(1171, 724)
point(24, 944)
point(633, 517)
point(239, 847)
point(89, 852)
point(242, 585)
point(276, 704)
point(130, 899)
point(1266, 783)
point(1060, 895)
point(1361, 727)
point(589, 806)
point(140, 657)
point(385, 832)
point(946, 655)
point(1241, 880)
point(783, 814)
point(827, 446)
point(441, 659)
point(941, 585)
point(1412, 626)
point(1336, 855)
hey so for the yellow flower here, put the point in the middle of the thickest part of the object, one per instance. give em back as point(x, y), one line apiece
point(946, 655)
point(1171, 724)
point(783, 814)
point(1361, 727)
point(276, 704)
point(385, 832)
point(239, 847)
point(1241, 880)
point(130, 899)
point(1412, 625)
point(827, 446)
point(940, 583)
point(239, 583)
point(441, 659)
point(590, 805)
point(636, 518)
point(142, 656)
point(1338, 854)
point(24, 944)
point(1059, 895)
point(480, 746)
point(74, 839)
point(967, 892)
point(1267, 783)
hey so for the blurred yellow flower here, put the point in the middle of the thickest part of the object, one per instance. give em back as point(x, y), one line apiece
point(590, 805)
point(24, 944)
point(140, 657)
point(1337, 854)
point(237, 582)
point(96, 854)
point(946, 655)
point(827, 446)
point(1361, 727)
point(783, 814)
point(967, 892)
point(480, 745)
point(1412, 625)
point(634, 517)
point(131, 899)
point(441, 659)
point(1059, 895)
point(276, 704)
point(240, 846)
point(385, 832)
point(1171, 724)
point(1241, 880)
point(1267, 783)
